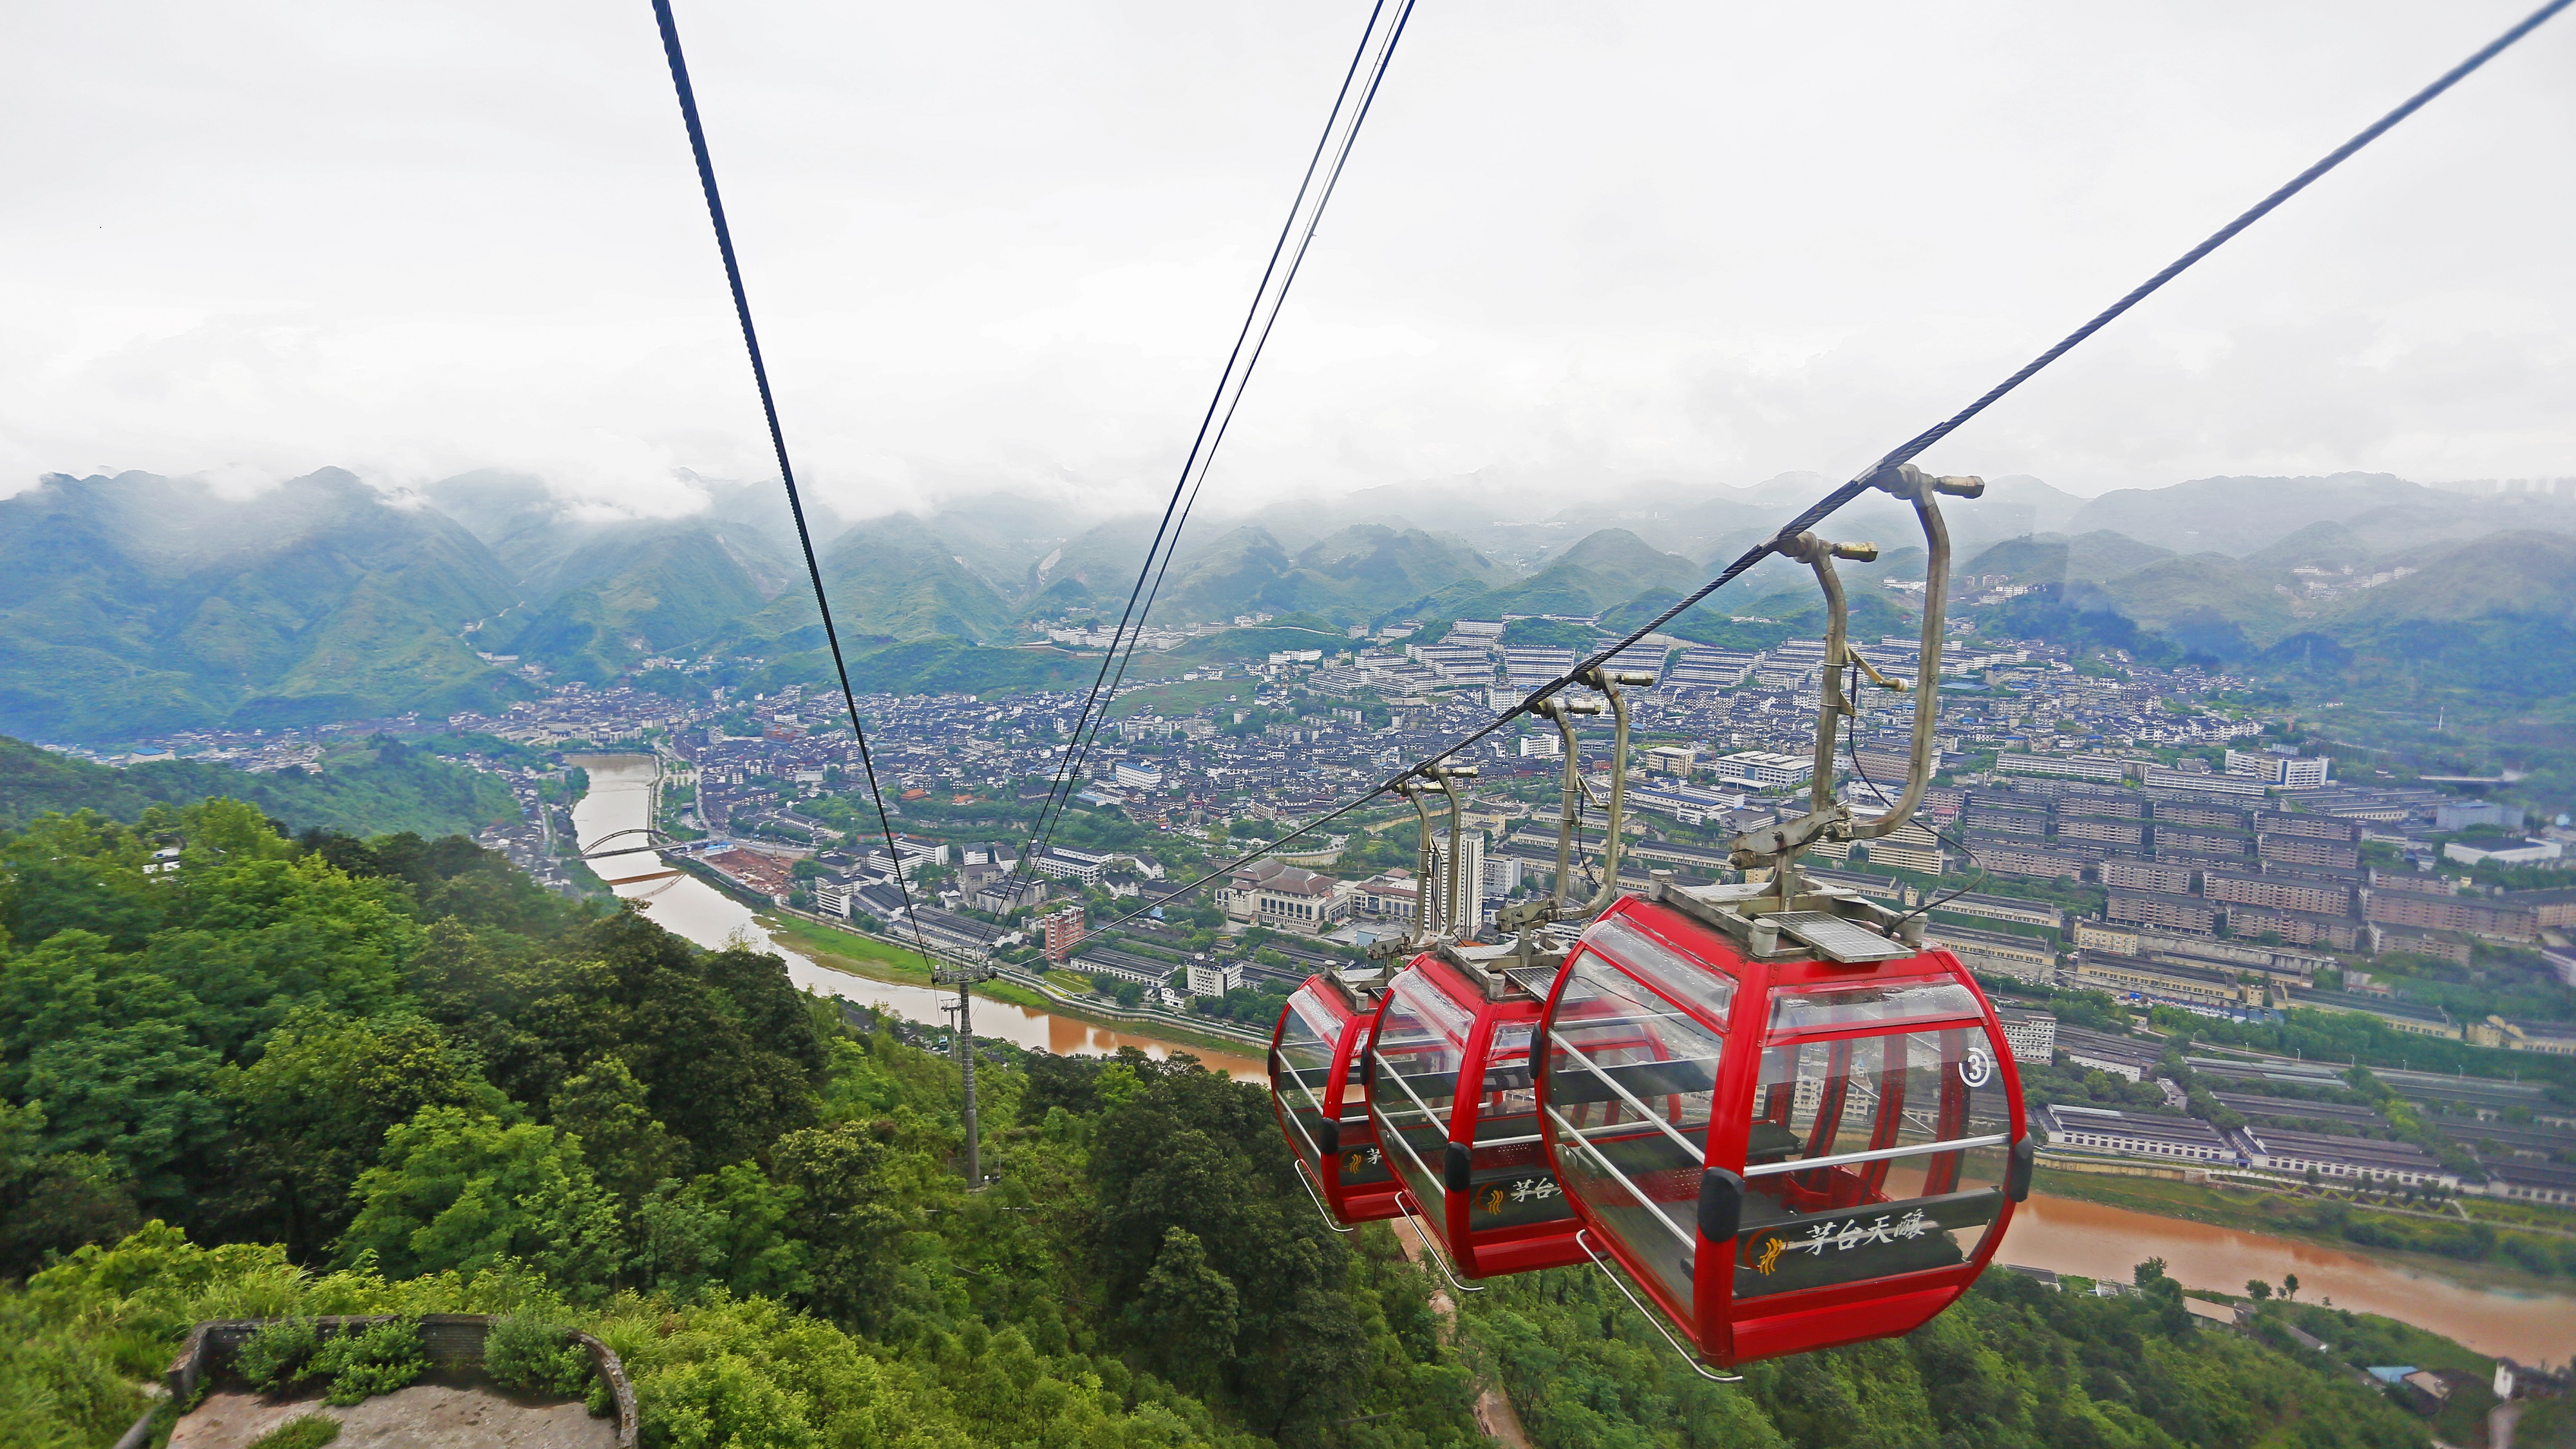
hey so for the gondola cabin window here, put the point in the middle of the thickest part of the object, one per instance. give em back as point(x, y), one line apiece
point(1632, 1082)
point(1456, 1109)
point(1873, 1151)
point(1421, 1039)
point(1303, 1077)
point(1316, 1060)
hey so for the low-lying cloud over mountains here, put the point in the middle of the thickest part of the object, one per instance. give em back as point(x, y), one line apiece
point(137, 604)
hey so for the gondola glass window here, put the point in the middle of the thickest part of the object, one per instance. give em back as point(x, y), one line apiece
point(1904, 1120)
point(1632, 1080)
point(1420, 1042)
point(1307, 1038)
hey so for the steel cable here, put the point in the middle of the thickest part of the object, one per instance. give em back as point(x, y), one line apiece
point(1915, 446)
point(778, 442)
point(1250, 339)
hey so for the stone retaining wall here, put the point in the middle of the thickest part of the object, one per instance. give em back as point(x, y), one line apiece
point(454, 1342)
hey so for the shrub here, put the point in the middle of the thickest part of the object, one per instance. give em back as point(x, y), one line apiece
point(274, 1358)
point(306, 1431)
point(378, 1359)
point(538, 1357)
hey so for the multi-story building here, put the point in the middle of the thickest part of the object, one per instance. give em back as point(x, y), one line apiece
point(2165, 983)
point(2124, 873)
point(2006, 820)
point(1062, 930)
point(2497, 918)
point(1997, 953)
point(2306, 772)
point(2134, 1134)
point(2553, 909)
point(1764, 770)
point(2127, 834)
point(1388, 896)
point(1469, 916)
point(2412, 882)
point(2277, 893)
point(2301, 928)
point(2174, 841)
point(1066, 863)
point(1213, 978)
point(2159, 777)
point(2199, 815)
point(1674, 760)
point(2025, 858)
point(2070, 767)
point(2308, 850)
point(2031, 1035)
point(2005, 908)
point(2168, 912)
point(2347, 1159)
point(1686, 803)
point(1911, 846)
point(1270, 892)
point(2316, 827)
point(2124, 1057)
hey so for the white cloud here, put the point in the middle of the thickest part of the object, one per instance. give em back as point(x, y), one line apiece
point(1006, 246)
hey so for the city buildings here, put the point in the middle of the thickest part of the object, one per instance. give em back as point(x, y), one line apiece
point(1061, 931)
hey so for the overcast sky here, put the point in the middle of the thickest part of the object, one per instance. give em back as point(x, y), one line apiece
point(1004, 245)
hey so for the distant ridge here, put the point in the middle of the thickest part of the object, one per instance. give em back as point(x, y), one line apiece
point(381, 790)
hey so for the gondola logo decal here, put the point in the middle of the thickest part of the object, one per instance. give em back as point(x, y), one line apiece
point(1764, 1250)
point(1519, 1190)
point(1977, 1068)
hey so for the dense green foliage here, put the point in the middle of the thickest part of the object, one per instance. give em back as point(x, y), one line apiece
point(2013, 1364)
point(329, 1076)
point(530, 1353)
point(377, 790)
point(2350, 1037)
point(304, 1431)
point(352, 1365)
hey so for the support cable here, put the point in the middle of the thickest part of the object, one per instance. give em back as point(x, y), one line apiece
point(1202, 461)
point(778, 443)
point(1915, 446)
point(1250, 338)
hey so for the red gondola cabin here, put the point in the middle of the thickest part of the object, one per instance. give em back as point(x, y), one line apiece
point(1449, 1084)
point(1315, 1057)
point(1793, 1136)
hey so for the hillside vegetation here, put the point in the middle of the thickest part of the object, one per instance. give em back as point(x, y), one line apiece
point(134, 606)
point(329, 1075)
point(375, 787)
point(137, 605)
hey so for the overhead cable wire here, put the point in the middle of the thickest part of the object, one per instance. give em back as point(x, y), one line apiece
point(1202, 460)
point(1915, 446)
point(1268, 297)
point(778, 442)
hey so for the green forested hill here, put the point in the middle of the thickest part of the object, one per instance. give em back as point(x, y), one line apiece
point(393, 1076)
point(379, 789)
point(625, 593)
point(135, 605)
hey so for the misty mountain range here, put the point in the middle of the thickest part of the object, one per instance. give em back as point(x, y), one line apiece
point(135, 605)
